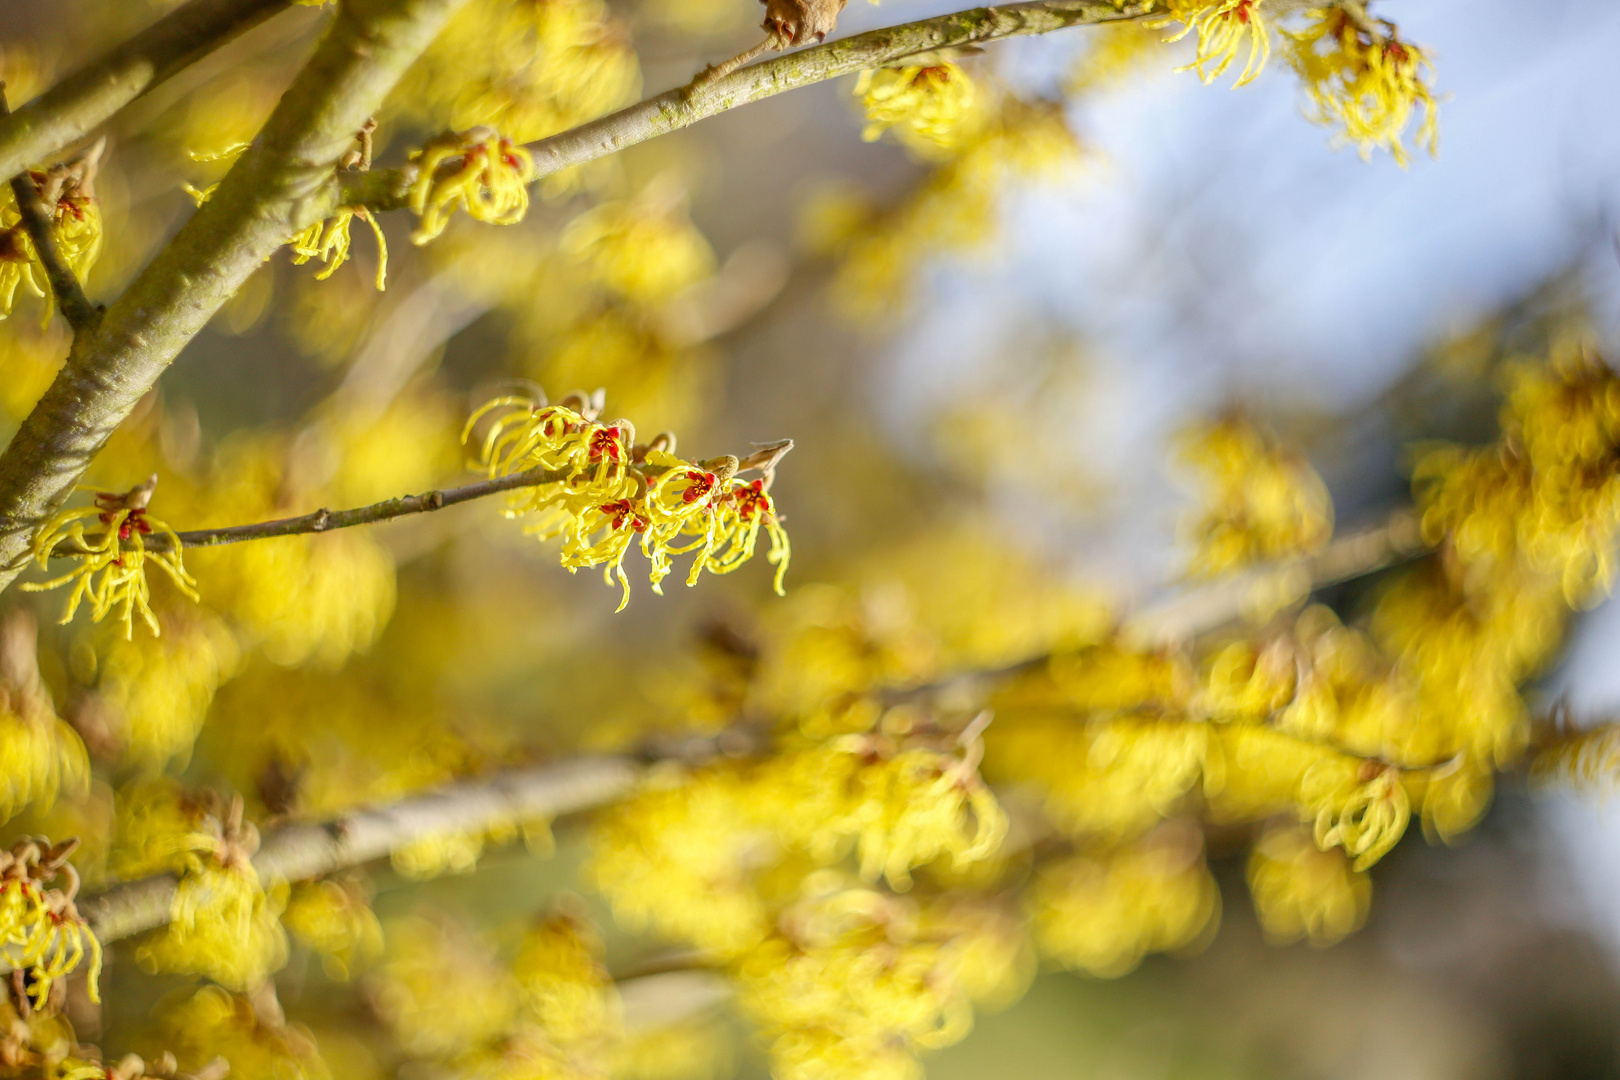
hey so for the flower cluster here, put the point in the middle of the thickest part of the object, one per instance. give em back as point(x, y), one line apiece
point(599, 490)
point(1223, 27)
point(484, 174)
point(1262, 501)
point(1362, 78)
point(41, 933)
point(111, 568)
point(931, 103)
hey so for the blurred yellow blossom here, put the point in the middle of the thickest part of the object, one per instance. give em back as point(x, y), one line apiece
point(1301, 890)
point(929, 103)
point(1362, 78)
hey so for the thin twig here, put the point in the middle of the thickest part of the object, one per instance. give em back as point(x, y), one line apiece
point(327, 520)
point(388, 189)
point(70, 110)
point(76, 307)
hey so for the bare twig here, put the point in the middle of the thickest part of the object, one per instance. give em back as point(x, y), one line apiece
point(387, 189)
point(298, 852)
point(71, 109)
point(80, 313)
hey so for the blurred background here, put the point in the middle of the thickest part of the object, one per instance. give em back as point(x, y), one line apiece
point(999, 402)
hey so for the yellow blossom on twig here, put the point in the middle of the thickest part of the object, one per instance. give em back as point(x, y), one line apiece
point(1360, 76)
point(329, 242)
point(1223, 27)
point(929, 103)
point(605, 492)
point(111, 572)
point(478, 170)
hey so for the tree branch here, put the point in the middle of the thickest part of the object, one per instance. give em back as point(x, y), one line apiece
point(1202, 608)
point(299, 852)
point(80, 313)
point(327, 520)
point(281, 184)
point(387, 189)
point(72, 108)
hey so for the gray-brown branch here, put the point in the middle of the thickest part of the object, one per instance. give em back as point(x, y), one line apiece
point(300, 852)
point(74, 107)
point(387, 189)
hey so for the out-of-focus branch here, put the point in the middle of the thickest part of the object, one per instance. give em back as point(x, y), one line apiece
point(1202, 608)
point(1205, 608)
point(298, 852)
point(387, 189)
point(280, 185)
point(72, 108)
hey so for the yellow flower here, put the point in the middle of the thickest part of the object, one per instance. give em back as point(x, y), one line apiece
point(41, 932)
point(1223, 26)
point(931, 103)
point(1364, 79)
point(1262, 500)
point(851, 987)
point(899, 806)
point(40, 754)
point(1366, 818)
point(1300, 890)
point(111, 572)
point(486, 175)
point(647, 250)
point(601, 492)
point(329, 242)
point(1102, 914)
point(334, 918)
point(68, 192)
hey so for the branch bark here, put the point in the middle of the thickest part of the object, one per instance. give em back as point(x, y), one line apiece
point(76, 307)
point(281, 184)
point(72, 108)
point(299, 852)
point(387, 189)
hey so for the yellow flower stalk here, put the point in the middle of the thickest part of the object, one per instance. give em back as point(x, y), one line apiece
point(487, 176)
point(1361, 77)
point(111, 570)
point(930, 104)
point(1223, 27)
